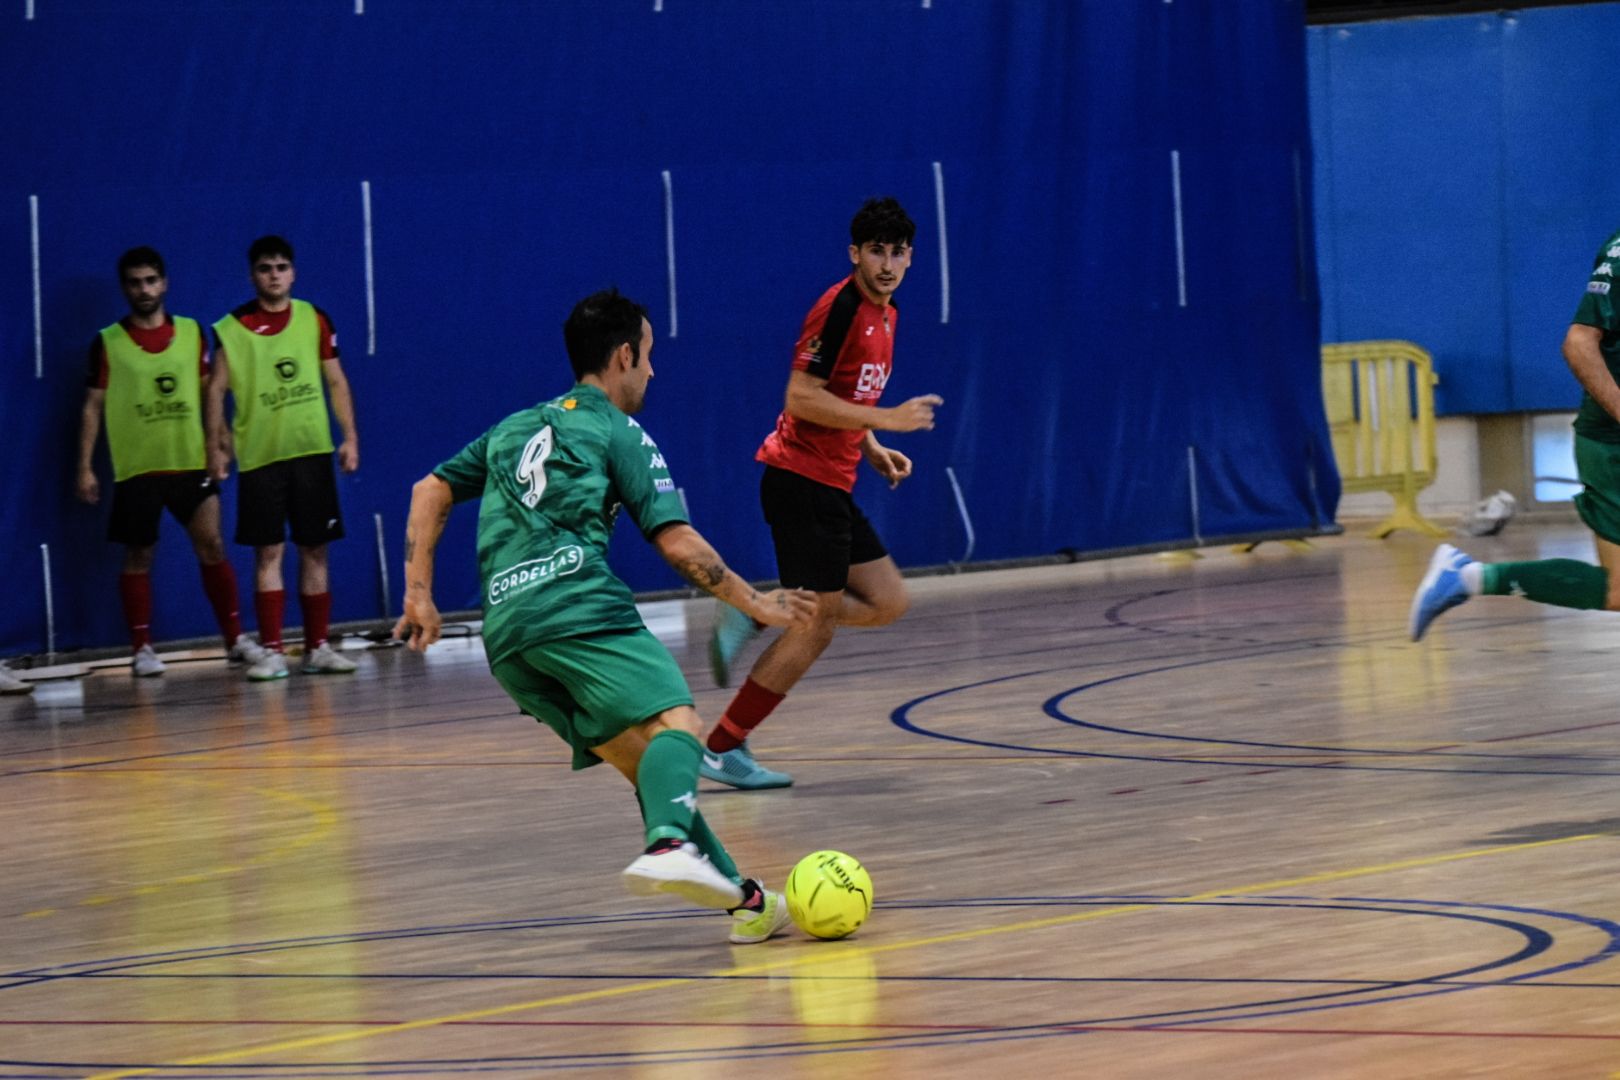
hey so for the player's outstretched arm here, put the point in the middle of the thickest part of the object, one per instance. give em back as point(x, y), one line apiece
point(809, 399)
point(431, 501)
point(684, 548)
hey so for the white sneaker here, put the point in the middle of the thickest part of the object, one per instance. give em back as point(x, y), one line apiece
point(246, 651)
point(10, 684)
point(272, 665)
point(326, 660)
point(687, 873)
point(145, 663)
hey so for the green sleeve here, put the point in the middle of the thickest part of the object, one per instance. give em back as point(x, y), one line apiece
point(1597, 304)
point(641, 477)
point(467, 471)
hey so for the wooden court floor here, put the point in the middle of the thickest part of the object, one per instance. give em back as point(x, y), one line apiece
point(1141, 818)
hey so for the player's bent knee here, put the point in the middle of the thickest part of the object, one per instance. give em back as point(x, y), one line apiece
point(680, 718)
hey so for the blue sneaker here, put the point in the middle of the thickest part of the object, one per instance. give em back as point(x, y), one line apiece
point(732, 631)
point(737, 768)
point(1440, 590)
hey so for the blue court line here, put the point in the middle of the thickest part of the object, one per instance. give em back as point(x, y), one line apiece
point(901, 718)
point(1537, 941)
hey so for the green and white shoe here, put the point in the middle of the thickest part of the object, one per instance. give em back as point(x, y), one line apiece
point(737, 768)
point(732, 631)
point(752, 927)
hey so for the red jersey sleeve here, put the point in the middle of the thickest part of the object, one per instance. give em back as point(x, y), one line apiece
point(329, 345)
point(96, 375)
point(826, 329)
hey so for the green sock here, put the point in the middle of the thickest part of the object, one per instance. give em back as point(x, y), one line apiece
point(1562, 582)
point(710, 845)
point(666, 781)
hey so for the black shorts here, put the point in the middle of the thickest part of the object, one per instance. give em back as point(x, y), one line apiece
point(300, 492)
point(138, 504)
point(819, 531)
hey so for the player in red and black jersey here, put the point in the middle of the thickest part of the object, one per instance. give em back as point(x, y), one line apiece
point(823, 541)
point(153, 409)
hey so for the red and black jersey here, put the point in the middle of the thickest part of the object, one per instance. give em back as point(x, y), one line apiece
point(849, 341)
point(268, 323)
point(154, 341)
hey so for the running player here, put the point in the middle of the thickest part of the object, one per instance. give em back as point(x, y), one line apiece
point(273, 353)
point(147, 372)
point(823, 541)
point(561, 631)
point(1592, 350)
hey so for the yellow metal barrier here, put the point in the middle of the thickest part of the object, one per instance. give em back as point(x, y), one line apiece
point(1380, 408)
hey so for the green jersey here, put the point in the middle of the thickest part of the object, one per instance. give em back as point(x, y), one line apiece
point(552, 479)
point(1597, 309)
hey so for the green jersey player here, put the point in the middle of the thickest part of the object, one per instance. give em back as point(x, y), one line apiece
point(561, 630)
point(1592, 350)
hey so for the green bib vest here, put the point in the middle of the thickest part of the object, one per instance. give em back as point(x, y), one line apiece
point(279, 391)
point(154, 403)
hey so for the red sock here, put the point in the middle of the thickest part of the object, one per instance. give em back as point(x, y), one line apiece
point(219, 582)
point(746, 712)
point(136, 591)
point(317, 617)
point(269, 604)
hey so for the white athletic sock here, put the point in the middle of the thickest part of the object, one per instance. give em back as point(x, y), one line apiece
point(1473, 578)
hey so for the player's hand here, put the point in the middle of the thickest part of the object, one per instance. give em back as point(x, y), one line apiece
point(89, 488)
point(219, 465)
point(349, 455)
point(892, 465)
point(914, 415)
point(783, 607)
point(420, 625)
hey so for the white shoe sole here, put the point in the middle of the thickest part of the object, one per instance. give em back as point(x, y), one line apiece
point(700, 884)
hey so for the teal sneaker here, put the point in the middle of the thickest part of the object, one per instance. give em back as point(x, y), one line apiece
point(752, 927)
point(732, 631)
point(737, 768)
point(1440, 590)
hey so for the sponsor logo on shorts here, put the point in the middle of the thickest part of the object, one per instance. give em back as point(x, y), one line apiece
point(532, 573)
point(663, 483)
point(1599, 287)
point(1604, 270)
point(1613, 252)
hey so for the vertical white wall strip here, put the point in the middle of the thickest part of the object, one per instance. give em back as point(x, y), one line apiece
point(371, 284)
point(944, 249)
point(1181, 244)
point(658, 5)
point(28, 12)
point(669, 249)
point(1192, 489)
point(382, 567)
point(961, 508)
point(359, 7)
point(39, 325)
point(927, 4)
point(50, 603)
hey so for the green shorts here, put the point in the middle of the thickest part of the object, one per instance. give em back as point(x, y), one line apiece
point(589, 689)
point(1597, 464)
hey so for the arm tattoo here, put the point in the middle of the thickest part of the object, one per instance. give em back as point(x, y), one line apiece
point(410, 545)
point(704, 574)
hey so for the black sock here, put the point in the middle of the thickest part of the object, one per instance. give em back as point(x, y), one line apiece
point(753, 896)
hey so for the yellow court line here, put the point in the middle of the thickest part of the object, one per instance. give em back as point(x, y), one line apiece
point(325, 820)
point(842, 954)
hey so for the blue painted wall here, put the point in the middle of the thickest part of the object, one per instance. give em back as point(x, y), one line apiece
point(1465, 178)
point(514, 153)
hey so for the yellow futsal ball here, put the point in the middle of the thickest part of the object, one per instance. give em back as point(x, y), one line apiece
point(829, 894)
